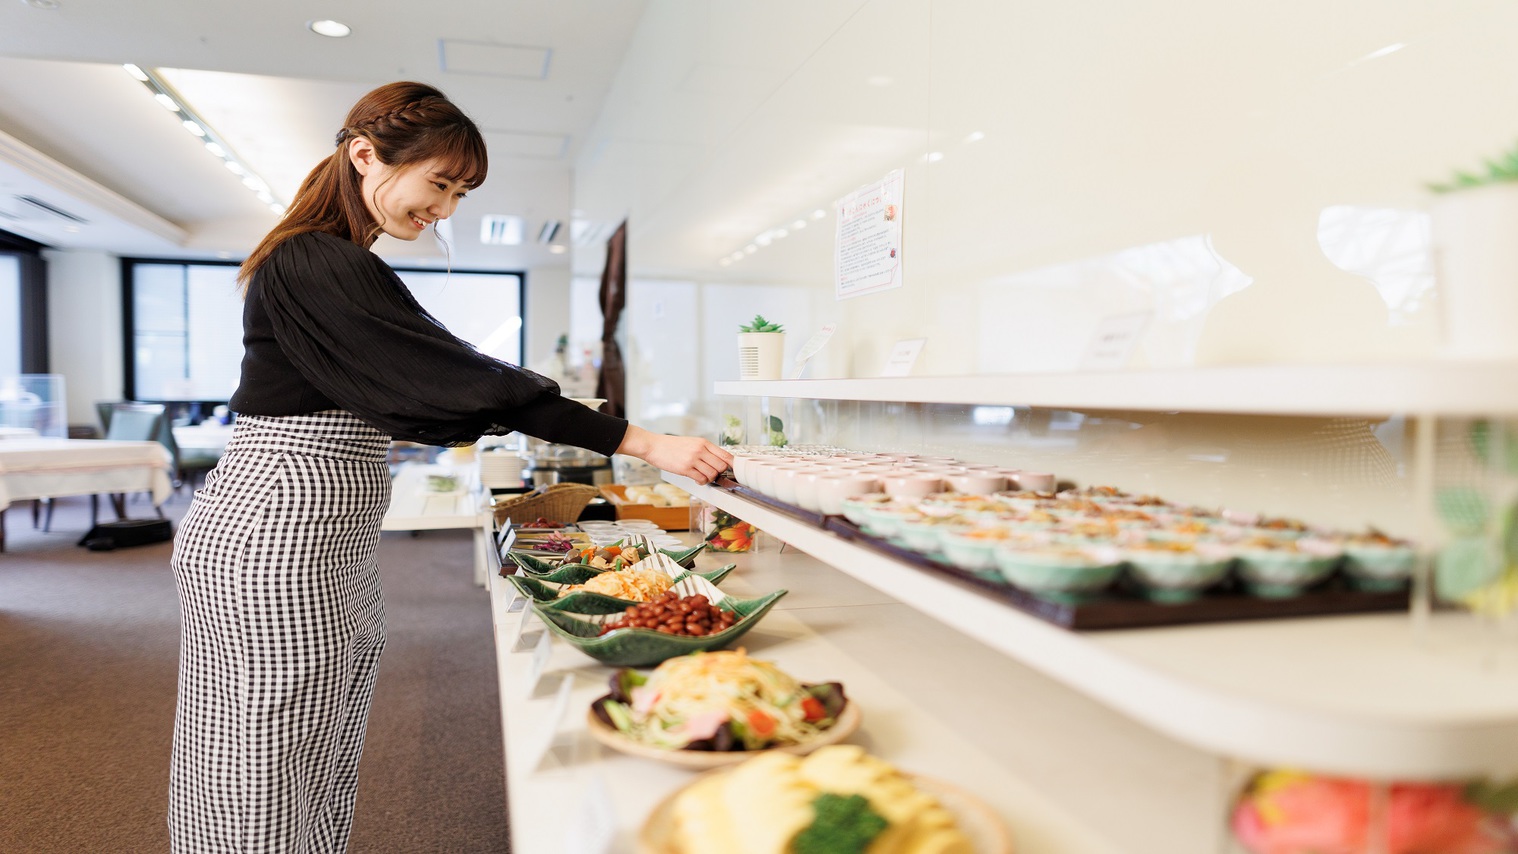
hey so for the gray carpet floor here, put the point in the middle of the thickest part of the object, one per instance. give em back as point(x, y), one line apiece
point(88, 651)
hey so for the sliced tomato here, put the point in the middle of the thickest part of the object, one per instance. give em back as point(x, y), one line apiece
point(760, 723)
point(812, 708)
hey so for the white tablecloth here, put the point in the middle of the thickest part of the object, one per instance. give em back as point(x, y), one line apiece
point(17, 433)
point(48, 468)
point(208, 436)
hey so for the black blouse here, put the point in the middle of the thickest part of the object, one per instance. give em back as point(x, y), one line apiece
point(328, 325)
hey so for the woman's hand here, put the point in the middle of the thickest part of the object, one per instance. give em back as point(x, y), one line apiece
point(689, 456)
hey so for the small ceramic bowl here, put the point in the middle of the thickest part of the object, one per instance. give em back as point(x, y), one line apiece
point(974, 549)
point(1034, 481)
point(1379, 567)
point(1284, 568)
point(1180, 574)
point(912, 484)
point(977, 482)
point(926, 533)
point(1062, 574)
point(884, 520)
point(855, 508)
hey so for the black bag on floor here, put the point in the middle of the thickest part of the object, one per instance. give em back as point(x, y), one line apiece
point(127, 532)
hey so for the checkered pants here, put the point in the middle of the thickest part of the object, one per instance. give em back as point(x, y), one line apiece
point(282, 632)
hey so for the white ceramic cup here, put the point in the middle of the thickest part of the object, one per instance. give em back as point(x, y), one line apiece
point(1035, 481)
point(832, 489)
point(977, 482)
point(912, 484)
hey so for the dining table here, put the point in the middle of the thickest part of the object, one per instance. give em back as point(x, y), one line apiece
point(33, 468)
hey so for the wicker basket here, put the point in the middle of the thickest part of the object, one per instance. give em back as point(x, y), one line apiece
point(561, 502)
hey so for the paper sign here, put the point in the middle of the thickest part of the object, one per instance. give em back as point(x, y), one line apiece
point(555, 715)
point(595, 823)
point(867, 242)
point(903, 357)
point(540, 653)
point(519, 641)
point(812, 347)
point(1113, 342)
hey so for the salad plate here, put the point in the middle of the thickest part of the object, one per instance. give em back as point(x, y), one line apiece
point(630, 647)
point(847, 722)
point(548, 590)
point(988, 833)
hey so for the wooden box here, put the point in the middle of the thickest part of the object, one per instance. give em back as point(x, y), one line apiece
point(668, 518)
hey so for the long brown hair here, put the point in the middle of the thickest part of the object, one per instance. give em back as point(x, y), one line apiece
point(407, 123)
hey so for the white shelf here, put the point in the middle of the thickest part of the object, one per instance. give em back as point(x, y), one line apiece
point(1427, 388)
point(1058, 768)
point(1364, 695)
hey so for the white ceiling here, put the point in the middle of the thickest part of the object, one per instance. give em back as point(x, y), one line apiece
point(77, 132)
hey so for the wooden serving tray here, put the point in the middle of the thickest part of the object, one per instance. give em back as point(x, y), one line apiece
point(1120, 608)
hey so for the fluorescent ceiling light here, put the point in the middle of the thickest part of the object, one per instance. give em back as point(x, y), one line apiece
point(329, 28)
point(498, 230)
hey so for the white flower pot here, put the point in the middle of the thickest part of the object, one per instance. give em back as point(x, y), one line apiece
point(760, 355)
point(1475, 234)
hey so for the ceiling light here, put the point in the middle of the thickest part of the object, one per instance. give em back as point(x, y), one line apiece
point(165, 95)
point(330, 29)
point(726, 262)
point(558, 249)
point(933, 156)
point(750, 249)
point(780, 232)
point(977, 136)
point(45, 5)
point(819, 213)
point(798, 225)
point(497, 230)
point(1391, 48)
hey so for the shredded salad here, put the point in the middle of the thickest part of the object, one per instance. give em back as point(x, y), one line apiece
point(720, 701)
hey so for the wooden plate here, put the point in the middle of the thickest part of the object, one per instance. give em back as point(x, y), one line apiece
point(847, 722)
point(988, 833)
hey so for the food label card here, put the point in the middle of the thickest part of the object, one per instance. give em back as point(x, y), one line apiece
point(522, 640)
point(550, 737)
point(540, 654)
point(595, 824)
point(903, 357)
point(812, 347)
point(1113, 342)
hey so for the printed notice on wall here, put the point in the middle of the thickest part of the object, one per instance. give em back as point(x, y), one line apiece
point(867, 256)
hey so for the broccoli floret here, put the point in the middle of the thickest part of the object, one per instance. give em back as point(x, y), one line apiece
point(840, 825)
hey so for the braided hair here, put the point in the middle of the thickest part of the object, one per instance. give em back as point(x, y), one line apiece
point(407, 123)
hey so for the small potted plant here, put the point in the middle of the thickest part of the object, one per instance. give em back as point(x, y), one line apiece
point(761, 349)
point(1474, 216)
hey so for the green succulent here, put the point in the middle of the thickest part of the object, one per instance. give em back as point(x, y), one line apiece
point(759, 324)
point(1503, 168)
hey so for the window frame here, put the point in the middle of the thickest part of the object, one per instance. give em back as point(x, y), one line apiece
point(128, 311)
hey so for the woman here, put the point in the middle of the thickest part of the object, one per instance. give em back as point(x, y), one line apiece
point(274, 561)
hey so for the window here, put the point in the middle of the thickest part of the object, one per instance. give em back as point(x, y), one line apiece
point(23, 306)
point(10, 315)
point(184, 323)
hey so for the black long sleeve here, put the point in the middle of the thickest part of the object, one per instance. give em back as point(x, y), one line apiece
point(328, 325)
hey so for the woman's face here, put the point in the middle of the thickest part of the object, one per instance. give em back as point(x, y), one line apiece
point(406, 200)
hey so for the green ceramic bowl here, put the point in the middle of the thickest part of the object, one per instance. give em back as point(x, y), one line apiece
point(548, 588)
point(1167, 576)
point(1283, 573)
point(644, 647)
point(537, 566)
point(1063, 574)
point(1379, 567)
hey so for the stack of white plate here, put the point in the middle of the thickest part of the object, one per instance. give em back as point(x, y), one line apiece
point(501, 469)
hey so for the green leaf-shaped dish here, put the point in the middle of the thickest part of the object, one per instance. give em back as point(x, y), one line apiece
point(546, 589)
point(537, 566)
point(644, 647)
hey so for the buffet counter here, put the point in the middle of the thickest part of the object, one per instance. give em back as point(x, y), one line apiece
point(1057, 768)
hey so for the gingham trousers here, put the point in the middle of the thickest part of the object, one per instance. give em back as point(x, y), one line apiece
point(282, 632)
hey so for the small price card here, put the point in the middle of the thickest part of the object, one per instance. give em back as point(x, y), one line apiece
point(556, 714)
point(519, 641)
point(1113, 342)
point(595, 824)
point(812, 347)
point(540, 653)
point(903, 357)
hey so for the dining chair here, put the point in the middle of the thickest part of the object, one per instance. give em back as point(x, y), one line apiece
point(131, 422)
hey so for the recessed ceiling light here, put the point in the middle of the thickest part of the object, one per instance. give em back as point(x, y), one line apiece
point(330, 29)
point(46, 5)
point(557, 249)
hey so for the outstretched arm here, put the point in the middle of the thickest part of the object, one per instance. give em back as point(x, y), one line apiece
point(690, 456)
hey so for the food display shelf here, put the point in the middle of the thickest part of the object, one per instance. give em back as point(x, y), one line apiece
point(1368, 695)
point(1060, 770)
point(1423, 388)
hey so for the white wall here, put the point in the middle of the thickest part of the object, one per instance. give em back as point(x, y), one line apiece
point(84, 329)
